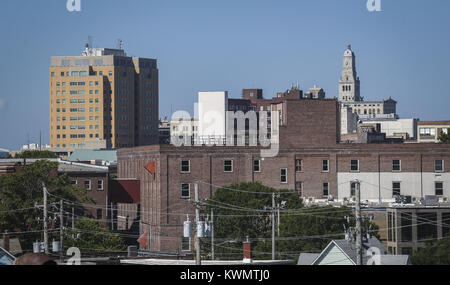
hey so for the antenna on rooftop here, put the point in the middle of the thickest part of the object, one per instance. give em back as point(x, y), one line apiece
point(90, 42)
point(119, 44)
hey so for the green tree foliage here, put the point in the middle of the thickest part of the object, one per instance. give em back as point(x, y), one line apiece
point(36, 154)
point(91, 236)
point(444, 137)
point(19, 192)
point(239, 214)
point(433, 254)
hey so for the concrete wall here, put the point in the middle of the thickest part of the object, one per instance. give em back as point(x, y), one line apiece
point(212, 107)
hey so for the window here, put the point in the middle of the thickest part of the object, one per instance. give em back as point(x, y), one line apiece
point(354, 165)
point(426, 226)
point(325, 163)
point(438, 165)
point(396, 165)
point(395, 188)
point(87, 184)
point(439, 188)
point(99, 214)
point(100, 185)
point(298, 165)
point(406, 227)
point(256, 165)
point(283, 175)
point(185, 190)
point(325, 189)
point(74, 182)
point(185, 166)
point(185, 244)
point(352, 189)
point(427, 132)
point(227, 166)
point(299, 188)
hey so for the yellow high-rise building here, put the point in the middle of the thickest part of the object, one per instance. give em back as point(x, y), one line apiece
point(103, 97)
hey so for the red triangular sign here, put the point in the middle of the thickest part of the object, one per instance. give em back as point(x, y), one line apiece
point(142, 240)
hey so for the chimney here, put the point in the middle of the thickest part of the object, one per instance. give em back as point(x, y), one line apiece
point(6, 241)
point(247, 246)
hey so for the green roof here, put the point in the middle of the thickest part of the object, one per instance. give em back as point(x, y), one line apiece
point(93, 154)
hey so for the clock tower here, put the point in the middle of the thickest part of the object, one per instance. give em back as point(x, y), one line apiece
point(349, 81)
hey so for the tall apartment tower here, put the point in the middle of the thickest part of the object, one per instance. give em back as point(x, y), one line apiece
point(349, 86)
point(103, 96)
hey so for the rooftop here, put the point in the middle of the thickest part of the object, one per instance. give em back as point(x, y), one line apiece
point(73, 167)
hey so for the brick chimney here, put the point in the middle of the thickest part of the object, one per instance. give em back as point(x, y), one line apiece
point(247, 247)
point(6, 241)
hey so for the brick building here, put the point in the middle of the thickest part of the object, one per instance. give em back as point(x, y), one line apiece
point(310, 160)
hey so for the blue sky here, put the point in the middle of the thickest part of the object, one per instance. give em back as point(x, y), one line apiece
point(202, 45)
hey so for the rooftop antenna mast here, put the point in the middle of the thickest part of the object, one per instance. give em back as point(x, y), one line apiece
point(120, 44)
point(90, 42)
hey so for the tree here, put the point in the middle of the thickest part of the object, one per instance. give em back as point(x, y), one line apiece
point(239, 212)
point(444, 137)
point(437, 253)
point(36, 154)
point(90, 236)
point(21, 191)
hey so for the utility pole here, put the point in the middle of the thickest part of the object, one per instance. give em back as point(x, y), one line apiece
point(273, 226)
point(358, 224)
point(73, 219)
point(112, 217)
point(61, 234)
point(278, 220)
point(198, 260)
point(213, 255)
point(45, 220)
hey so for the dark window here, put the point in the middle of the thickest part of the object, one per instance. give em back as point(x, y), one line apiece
point(100, 185)
point(396, 165)
point(439, 188)
point(352, 189)
point(87, 184)
point(185, 244)
point(407, 251)
point(74, 182)
point(283, 175)
point(185, 190)
point(228, 166)
point(445, 224)
point(299, 188)
point(354, 165)
point(395, 188)
point(325, 189)
point(298, 165)
point(390, 226)
point(256, 165)
point(99, 214)
point(185, 166)
point(439, 165)
point(426, 226)
point(406, 227)
point(325, 165)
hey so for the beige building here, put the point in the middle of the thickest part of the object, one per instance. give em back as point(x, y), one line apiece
point(103, 95)
point(184, 127)
point(429, 131)
point(350, 96)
